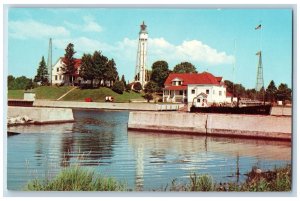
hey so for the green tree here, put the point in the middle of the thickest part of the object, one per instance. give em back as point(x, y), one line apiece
point(111, 72)
point(271, 92)
point(137, 86)
point(21, 82)
point(185, 67)
point(87, 68)
point(100, 66)
point(123, 80)
point(118, 87)
point(30, 85)
point(160, 72)
point(10, 82)
point(150, 87)
point(42, 73)
point(69, 62)
point(284, 93)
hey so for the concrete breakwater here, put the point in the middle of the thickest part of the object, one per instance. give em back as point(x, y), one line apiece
point(250, 126)
point(39, 115)
point(107, 105)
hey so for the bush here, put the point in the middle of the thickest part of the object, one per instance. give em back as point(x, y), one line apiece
point(148, 97)
point(118, 87)
point(137, 86)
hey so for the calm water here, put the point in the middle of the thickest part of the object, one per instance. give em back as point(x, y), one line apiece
point(99, 140)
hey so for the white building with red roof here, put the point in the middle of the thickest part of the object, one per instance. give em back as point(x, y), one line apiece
point(200, 89)
point(60, 78)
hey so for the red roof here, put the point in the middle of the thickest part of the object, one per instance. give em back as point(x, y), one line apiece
point(194, 78)
point(77, 62)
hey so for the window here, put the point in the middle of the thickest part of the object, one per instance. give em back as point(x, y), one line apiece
point(179, 82)
point(193, 91)
point(57, 69)
point(55, 77)
point(213, 91)
point(60, 77)
point(220, 93)
point(198, 100)
point(180, 92)
point(207, 91)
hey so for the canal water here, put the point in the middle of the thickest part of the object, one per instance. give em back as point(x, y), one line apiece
point(99, 141)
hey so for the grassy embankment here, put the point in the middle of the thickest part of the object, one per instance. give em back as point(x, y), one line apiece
point(97, 95)
point(78, 179)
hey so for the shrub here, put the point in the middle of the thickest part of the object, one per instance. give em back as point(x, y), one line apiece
point(118, 87)
point(137, 86)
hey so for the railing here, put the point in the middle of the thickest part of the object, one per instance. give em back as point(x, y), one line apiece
point(167, 107)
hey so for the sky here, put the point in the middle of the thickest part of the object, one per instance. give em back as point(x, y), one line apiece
point(222, 41)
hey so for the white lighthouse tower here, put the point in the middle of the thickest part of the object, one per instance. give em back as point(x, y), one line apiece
point(140, 71)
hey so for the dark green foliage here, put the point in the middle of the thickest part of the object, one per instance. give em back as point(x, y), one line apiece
point(69, 60)
point(111, 72)
point(123, 80)
point(99, 65)
point(271, 92)
point(42, 73)
point(137, 86)
point(160, 72)
point(10, 82)
point(128, 87)
point(148, 97)
point(185, 67)
point(87, 67)
point(150, 87)
point(118, 87)
point(19, 83)
point(284, 93)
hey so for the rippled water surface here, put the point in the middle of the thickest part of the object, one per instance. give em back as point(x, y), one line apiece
point(100, 141)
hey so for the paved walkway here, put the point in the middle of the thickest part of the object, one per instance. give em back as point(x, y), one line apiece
point(66, 93)
point(107, 105)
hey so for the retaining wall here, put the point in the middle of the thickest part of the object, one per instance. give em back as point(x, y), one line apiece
point(41, 115)
point(250, 126)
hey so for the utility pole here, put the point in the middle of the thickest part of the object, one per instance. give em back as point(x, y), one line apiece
point(49, 62)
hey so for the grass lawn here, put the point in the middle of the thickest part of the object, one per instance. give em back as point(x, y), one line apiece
point(15, 94)
point(98, 95)
point(51, 93)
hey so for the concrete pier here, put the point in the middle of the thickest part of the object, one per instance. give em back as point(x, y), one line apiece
point(40, 115)
point(226, 125)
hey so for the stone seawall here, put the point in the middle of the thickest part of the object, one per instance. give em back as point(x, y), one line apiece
point(250, 126)
point(40, 115)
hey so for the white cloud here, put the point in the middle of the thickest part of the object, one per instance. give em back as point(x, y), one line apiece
point(193, 51)
point(82, 44)
point(33, 29)
point(89, 25)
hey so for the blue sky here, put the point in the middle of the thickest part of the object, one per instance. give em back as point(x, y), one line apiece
point(204, 37)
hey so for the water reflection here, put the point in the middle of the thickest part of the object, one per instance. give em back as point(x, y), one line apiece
point(203, 154)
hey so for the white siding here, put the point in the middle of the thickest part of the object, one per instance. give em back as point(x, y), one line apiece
point(59, 75)
point(212, 97)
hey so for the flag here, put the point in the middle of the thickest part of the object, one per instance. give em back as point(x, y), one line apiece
point(258, 27)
